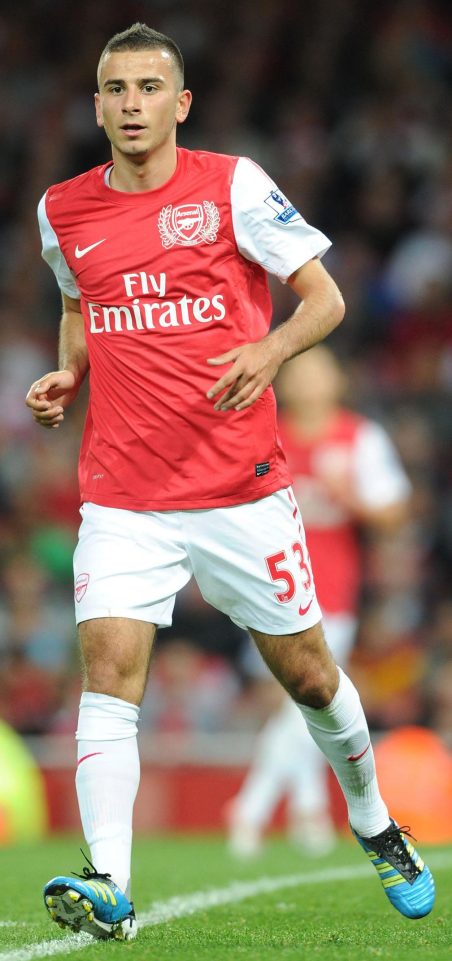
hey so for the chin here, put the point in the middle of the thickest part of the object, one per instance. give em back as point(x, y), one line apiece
point(135, 150)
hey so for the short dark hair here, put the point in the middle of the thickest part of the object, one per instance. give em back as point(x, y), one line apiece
point(141, 37)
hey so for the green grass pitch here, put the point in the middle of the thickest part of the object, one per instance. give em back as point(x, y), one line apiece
point(282, 905)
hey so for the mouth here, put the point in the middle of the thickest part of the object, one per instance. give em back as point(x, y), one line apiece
point(132, 129)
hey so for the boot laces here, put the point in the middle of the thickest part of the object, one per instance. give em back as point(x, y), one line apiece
point(390, 844)
point(90, 874)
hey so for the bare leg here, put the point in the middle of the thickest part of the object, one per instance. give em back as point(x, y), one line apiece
point(116, 652)
point(333, 713)
point(302, 663)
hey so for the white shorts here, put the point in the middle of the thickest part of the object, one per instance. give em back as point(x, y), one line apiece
point(250, 561)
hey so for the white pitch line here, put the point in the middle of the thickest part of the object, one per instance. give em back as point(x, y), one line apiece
point(45, 949)
point(184, 905)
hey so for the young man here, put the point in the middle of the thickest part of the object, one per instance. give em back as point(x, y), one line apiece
point(161, 257)
point(350, 481)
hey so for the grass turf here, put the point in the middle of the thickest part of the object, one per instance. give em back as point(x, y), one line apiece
point(328, 921)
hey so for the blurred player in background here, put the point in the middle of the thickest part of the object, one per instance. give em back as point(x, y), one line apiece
point(161, 256)
point(349, 481)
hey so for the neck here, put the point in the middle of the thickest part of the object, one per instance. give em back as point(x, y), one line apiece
point(137, 174)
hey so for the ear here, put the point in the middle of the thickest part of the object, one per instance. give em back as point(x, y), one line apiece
point(98, 106)
point(183, 106)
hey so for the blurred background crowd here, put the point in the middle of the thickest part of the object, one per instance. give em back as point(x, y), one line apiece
point(348, 105)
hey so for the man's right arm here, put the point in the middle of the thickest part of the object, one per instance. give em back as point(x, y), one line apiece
point(49, 396)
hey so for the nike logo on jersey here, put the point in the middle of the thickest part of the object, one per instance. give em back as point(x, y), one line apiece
point(304, 610)
point(81, 251)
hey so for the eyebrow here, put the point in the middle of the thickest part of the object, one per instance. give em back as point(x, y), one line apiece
point(106, 83)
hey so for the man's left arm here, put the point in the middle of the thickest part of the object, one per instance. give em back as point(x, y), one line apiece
point(254, 366)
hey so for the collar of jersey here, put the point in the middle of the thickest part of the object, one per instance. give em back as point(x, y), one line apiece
point(141, 197)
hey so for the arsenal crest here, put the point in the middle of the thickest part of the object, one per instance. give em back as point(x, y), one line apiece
point(80, 586)
point(189, 224)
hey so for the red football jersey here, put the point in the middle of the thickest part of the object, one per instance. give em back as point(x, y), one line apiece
point(361, 452)
point(168, 278)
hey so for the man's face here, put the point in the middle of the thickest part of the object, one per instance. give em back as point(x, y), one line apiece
point(140, 101)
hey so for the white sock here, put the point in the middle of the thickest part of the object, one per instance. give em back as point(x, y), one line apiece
point(341, 732)
point(108, 774)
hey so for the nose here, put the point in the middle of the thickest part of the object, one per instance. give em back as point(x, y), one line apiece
point(131, 102)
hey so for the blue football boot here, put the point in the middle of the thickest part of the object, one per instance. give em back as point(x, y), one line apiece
point(406, 880)
point(91, 902)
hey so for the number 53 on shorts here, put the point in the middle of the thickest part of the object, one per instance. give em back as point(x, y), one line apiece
point(278, 570)
point(254, 565)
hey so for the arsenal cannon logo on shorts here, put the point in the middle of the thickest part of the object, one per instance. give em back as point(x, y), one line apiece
point(80, 586)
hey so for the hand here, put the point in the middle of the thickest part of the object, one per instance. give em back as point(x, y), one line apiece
point(49, 396)
point(253, 368)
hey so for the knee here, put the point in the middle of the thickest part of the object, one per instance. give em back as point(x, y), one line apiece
point(315, 677)
point(115, 657)
point(115, 680)
point(104, 676)
point(317, 685)
point(303, 664)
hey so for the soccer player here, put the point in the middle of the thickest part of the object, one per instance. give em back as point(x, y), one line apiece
point(349, 479)
point(161, 256)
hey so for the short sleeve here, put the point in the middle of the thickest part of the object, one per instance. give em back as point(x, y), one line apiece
point(380, 476)
point(268, 229)
point(52, 254)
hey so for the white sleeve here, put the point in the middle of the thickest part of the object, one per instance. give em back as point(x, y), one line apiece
point(267, 228)
point(380, 476)
point(52, 254)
